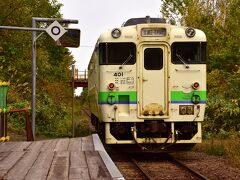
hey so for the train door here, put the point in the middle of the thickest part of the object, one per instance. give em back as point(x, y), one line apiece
point(152, 94)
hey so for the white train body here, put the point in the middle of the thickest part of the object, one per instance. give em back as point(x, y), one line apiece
point(149, 84)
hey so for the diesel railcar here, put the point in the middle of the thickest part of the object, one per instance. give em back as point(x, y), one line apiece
point(147, 84)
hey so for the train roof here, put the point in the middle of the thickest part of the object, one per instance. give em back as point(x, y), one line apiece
point(145, 20)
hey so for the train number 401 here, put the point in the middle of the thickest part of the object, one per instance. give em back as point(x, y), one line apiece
point(118, 74)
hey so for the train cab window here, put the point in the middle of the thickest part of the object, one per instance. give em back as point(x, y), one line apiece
point(117, 53)
point(189, 53)
point(153, 58)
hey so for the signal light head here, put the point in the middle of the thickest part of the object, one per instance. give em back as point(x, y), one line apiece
point(195, 85)
point(111, 86)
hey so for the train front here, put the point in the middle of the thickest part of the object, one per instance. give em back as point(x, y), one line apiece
point(152, 83)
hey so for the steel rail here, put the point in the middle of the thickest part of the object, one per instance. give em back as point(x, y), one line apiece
point(141, 169)
point(194, 172)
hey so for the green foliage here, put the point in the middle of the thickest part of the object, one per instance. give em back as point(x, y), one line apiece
point(51, 118)
point(223, 108)
point(16, 121)
point(83, 99)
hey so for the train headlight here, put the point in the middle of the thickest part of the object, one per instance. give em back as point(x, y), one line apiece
point(182, 110)
point(116, 33)
point(190, 32)
point(195, 85)
point(186, 109)
point(111, 86)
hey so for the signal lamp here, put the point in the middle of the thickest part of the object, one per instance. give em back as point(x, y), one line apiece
point(111, 86)
point(195, 85)
point(116, 33)
point(190, 32)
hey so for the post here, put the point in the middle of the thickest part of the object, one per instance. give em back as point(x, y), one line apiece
point(73, 124)
point(33, 77)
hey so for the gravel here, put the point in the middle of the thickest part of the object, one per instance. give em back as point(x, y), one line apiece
point(210, 166)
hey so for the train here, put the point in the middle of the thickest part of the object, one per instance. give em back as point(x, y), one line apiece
point(147, 84)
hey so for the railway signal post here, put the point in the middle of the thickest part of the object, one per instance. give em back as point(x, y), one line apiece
point(56, 31)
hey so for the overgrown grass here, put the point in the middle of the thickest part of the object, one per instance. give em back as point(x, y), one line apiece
point(225, 144)
point(81, 121)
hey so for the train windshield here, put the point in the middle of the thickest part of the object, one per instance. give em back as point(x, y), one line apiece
point(189, 53)
point(117, 53)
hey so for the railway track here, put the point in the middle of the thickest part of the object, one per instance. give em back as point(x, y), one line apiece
point(128, 166)
point(184, 166)
point(153, 166)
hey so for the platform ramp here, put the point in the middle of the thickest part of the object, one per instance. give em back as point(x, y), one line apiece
point(65, 158)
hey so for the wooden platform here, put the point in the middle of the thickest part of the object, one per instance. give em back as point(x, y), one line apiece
point(76, 158)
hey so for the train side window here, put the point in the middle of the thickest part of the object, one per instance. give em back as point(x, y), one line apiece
point(117, 53)
point(189, 52)
point(153, 58)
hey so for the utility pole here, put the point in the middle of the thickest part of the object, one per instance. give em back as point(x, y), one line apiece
point(73, 123)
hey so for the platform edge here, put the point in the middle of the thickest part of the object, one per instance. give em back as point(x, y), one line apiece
point(112, 168)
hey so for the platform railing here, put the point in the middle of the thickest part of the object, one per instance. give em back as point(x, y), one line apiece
point(80, 75)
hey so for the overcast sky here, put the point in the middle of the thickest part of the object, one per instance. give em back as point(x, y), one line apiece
point(97, 16)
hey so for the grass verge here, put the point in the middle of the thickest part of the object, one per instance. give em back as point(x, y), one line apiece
point(227, 147)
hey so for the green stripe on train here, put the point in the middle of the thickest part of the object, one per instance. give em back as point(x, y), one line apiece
point(181, 96)
point(103, 96)
point(175, 95)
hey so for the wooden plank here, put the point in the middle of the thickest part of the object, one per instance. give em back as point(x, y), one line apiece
point(40, 168)
point(21, 146)
point(75, 144)
point(4, 154)
point(87, 143)
point(49, 145)
point(8, 162)
point(7, 146)
point(60, 166)
point(78, 166)
point(21, 168)
point(36, 145)
point(97, 169)
point(62, 144)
